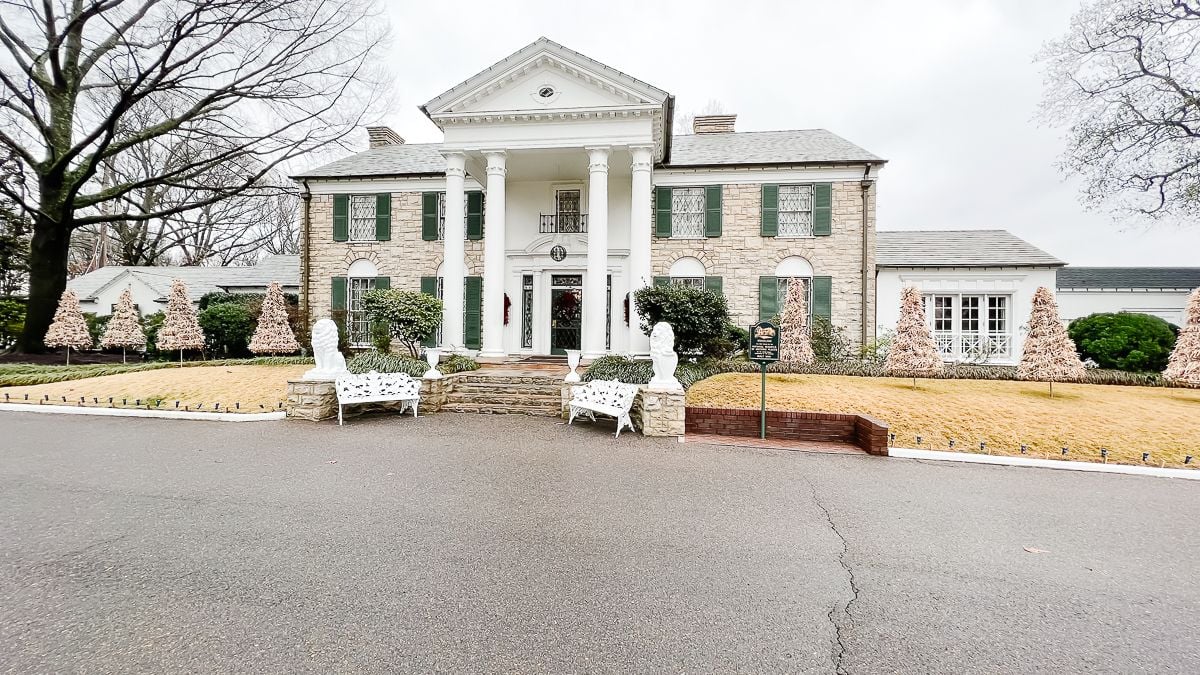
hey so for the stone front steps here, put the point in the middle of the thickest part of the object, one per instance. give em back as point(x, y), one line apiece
point(499, 393)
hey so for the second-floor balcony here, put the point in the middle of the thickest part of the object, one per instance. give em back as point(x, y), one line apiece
point(563, 223)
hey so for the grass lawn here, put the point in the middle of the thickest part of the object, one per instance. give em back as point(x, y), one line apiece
point(1083, 417)
point(250, 385)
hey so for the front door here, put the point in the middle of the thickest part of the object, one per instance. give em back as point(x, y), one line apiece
point(566, 312)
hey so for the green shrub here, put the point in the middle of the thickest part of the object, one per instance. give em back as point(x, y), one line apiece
point(249, 299)
point(12, 321)
point(829, 343)
point(228, 328)
point(411, 316)
point(381, 337)
point(640, 371)
point(1124, 341)
point(699, 317)
point(96, 325)
point(365, 362)
point(339, 319)
point(152, 323)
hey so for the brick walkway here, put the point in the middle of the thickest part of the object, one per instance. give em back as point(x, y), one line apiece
point(775, 444)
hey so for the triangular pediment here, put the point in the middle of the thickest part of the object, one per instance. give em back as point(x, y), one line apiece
point(545, 76)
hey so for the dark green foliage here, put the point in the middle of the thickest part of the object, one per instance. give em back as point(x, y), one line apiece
point(365, 362)
point(381, 337)
point(228, 328)
point(12, 321)
point(698, 316)
point(952, 371)
point(1124, 341)
point(339, 318)
point(411, 316)
point(829, 342)
point(152, 323)
point(253, 299)
point(96, 325)
point(639, 371)
point(738, 337)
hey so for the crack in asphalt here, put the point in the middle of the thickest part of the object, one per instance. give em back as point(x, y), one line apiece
point(839, 650)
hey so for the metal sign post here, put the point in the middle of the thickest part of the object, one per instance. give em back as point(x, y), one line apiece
point(764, 350)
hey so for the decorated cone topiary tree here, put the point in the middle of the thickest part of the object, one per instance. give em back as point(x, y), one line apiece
point(180, 329)
point(274, 334)
point(125, 327)
point(913, 352)
point(69, 328)
point(1049, 354)
point(1184, 365)
point(793, 325)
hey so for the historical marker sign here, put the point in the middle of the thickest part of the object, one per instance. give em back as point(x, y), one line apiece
point(764, 343)
point(764, 350)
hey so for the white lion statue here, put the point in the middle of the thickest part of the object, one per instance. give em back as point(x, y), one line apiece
point(663, 357)
point(330, 362)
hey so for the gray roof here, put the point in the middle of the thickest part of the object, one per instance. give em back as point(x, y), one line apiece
point(805, 146)
point(958, 248)
point(799, 146)
point(284, 269)
point(391, 160)
point(1129, 277)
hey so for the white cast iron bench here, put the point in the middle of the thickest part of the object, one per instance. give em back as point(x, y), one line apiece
point(607, 397)
point(376, 387)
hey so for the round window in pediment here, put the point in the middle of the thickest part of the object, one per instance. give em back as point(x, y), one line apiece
point(546, 91)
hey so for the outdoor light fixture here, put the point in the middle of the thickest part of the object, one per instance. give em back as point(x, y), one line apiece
point(951, 443)
point(891, 437)
point(1187, 459)
point(918, 440)
point(982, 446)
point(1024, 449)
point(1145, 456)
point(1064, 451)
point(1104, 454)
point(176, 404)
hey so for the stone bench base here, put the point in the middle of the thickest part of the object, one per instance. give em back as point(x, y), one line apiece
point(316, 400)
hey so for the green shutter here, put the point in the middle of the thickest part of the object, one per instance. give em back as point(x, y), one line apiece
point(341, 217)
point(472, 311)
point(714, 284)
point(383, 216)
point(822, 294)
point(429, 284)
point(662, 212)
point(823, 209)
point(712, 211)
point(337, 295)
point(429, 216)
point(474, 214)
point(662, 281)
point(383, 282)
point(770, 210)
point(768, 298)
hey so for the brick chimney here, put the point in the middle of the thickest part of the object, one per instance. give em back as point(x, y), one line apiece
point(382, 136)
point(713, 124)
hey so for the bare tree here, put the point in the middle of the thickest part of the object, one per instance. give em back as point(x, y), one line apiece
point(683, 122)
point(14, 230)
point(245, 83)
point(1125, 81)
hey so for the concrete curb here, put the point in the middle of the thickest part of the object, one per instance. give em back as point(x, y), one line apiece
point(141, 412)
point(1160, 472)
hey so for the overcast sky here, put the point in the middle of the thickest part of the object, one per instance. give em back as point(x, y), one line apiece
point(947, 91)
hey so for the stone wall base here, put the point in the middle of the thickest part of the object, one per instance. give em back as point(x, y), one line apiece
point(654, 412)
point(316, 400)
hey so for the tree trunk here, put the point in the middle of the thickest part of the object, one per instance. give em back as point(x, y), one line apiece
point(47, 277)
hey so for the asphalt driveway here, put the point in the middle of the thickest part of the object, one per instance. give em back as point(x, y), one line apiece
point(477, 543)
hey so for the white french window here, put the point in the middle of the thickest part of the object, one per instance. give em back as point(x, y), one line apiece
point(359, 327)
point(970, 327)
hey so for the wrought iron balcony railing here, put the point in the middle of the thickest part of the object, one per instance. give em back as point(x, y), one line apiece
point(563, 223)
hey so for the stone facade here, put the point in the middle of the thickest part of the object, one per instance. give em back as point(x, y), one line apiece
point(654, 412)
point(741, 254)
point(405, 258)
point(312, 400)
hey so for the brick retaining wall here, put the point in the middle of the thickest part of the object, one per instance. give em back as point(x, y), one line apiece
point(869, 434)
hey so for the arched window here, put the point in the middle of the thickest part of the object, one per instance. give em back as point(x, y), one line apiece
point(794, 269)
point(360, 278)
point(688, 271)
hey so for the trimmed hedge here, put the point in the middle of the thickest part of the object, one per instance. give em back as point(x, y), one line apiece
point(365, 362)
point(1124, 340)
point(631, 371)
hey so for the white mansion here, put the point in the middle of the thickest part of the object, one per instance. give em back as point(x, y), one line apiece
point(559, 189)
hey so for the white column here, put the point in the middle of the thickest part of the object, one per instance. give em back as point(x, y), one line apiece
point(595, 281)
point(639, 240)
point(453, 264)
point(493, 258)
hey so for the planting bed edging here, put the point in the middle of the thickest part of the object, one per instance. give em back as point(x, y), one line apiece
point(1067, 465)
point(140, 412)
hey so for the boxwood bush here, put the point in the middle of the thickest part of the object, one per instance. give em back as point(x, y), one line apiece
point(1126, 341)
point(365, 362)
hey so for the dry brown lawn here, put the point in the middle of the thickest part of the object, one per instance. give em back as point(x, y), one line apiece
point(251, 386)
point(1083, 417)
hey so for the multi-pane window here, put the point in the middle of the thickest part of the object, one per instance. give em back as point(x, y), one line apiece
point(795, 211)
point(359, 327)
point(527, 311)
point(362, 217)
point(697, 282)
point(783, 285)
point(567, 209)
point(687, 213)
point(970, 327)
point(442, 215)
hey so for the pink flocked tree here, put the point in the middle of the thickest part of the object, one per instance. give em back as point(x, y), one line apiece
point(124, 327)
point(796, 345)
point(180, 329)
point(274, 334)
point(69, 328)
point(1184, 366)
point(1049, 354)
point(913, 352)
